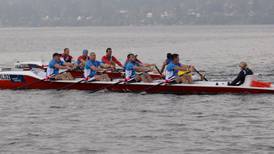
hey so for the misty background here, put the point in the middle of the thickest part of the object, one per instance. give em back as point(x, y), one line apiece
point(35, 13)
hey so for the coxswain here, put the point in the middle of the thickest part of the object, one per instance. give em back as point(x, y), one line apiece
point(55, 65)
point(93, 67)
point(110, 60)
point(245, 71)
point(131, 69)
point(81, 61)
point(66, 57)
point(174, 67)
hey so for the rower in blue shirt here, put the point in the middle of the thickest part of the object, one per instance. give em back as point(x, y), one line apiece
point(174, 67)
point(131, 69)
point(93, 67)
point(56, 64)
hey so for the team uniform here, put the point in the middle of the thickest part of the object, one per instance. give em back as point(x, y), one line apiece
point(79, 61)
point(130, 71)
point(52, 70)
point(171, 73)
point(88, 72)
point(111, 60)
point(67, 58)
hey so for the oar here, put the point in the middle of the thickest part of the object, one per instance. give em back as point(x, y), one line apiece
point(156, 84)
point(107, 87)
point(70, 85)
point(143, 92)
point(34, 82)
point(200, 74)
point(158, 70)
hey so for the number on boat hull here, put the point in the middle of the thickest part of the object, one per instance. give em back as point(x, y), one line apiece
point(12, 78)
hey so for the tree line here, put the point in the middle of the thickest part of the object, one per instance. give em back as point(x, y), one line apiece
point(134, 12)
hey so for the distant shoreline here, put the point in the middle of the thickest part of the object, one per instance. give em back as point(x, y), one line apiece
point(144, 26)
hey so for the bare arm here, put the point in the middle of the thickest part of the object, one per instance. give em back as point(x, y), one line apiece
point(163, 67)
point(182, 68)
point(142, 69)
point(61, 67)
point(148, 65)
point(69, 64)
point(106, 66)
point(96, 69)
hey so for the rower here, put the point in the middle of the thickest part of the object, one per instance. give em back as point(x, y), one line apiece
point(166, 62)
point(55, 65)
point(93, 67)
point(245, 71)
point(139, 62)
point(81, 61)
point(66, 57)
point(111, 60)
point(174, 67)
point(130, 71)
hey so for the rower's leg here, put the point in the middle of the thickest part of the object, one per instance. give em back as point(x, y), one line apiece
point(97, 78)
point(138, 78)
point(146, 78)
point(179, 80)
point(104, 77)
point(189, 79)
point(68, 76)
point(186, 79)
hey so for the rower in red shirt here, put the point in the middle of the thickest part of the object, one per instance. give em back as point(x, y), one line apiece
point(111, 60)
point(81, 61)
point(66, 57)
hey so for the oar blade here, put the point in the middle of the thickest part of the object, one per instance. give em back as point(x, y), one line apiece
point(145, 91)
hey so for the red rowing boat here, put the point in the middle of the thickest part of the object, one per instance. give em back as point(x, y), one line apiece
point(33, 80)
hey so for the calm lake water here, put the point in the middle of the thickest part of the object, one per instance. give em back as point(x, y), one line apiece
point(78, 122)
